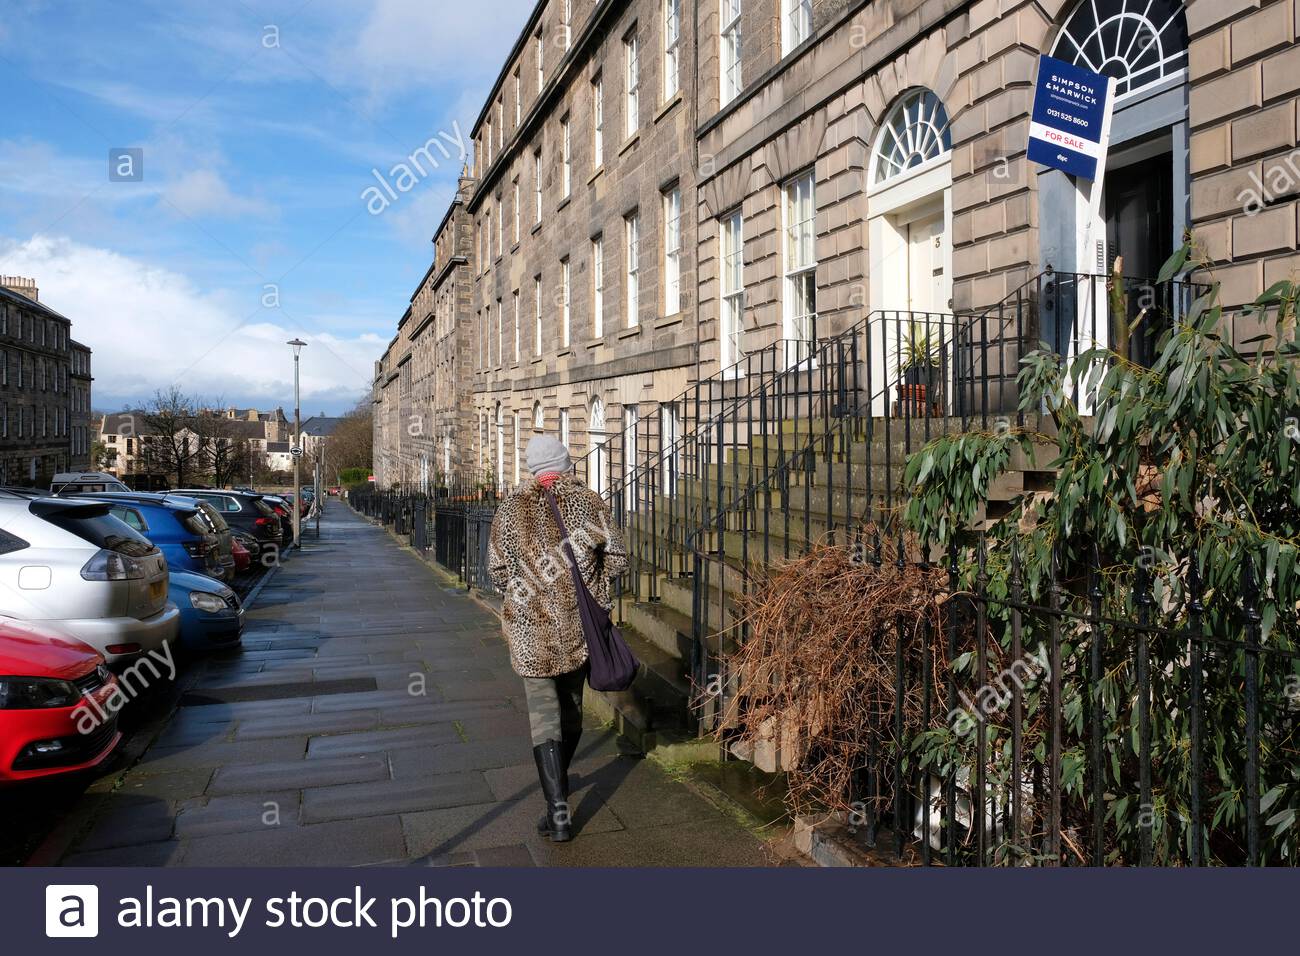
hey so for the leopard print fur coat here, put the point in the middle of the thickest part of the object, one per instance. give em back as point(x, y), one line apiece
point(529, 565)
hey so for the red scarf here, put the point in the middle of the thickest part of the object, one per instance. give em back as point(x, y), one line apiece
point(548, 478)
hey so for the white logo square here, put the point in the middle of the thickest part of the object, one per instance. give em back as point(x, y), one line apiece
point(71, 910)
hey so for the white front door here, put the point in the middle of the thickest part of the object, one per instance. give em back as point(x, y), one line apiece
point(927, 257)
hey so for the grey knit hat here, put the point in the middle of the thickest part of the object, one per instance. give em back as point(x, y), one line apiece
point(546, 454)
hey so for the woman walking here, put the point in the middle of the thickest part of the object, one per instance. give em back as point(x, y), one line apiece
point(529, 564)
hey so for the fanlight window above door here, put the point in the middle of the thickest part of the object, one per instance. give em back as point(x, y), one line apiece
point(915, 132)
point(1138, 42)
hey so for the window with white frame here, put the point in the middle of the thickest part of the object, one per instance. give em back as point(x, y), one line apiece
point(519, 98)
point(598, 287)
point(487, 237)
point(672, 47)
point(537, 315)
point(632, 234)
point(501, 335)
point(632, 84)
point(670, 433)
point(631, 427)
point(597, 121)
point(501, 124)
point(487, 145)
point(796, 23)
point(1139, 42)
point(540, 46)
point(501, 446)
point(539, 417)
point(515, 212)
point(515, 305)
point(800, 216)
point(514, 445)
point(598, 462)
point(537, 185)
point(501, 227)
point(564, 303)
point(566, 22)
point(564, 427)
point(730, 40)
point(672, 202)
point(731, 253)
point(566, 158)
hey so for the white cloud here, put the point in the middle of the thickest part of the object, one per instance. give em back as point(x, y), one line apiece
point(151, 327)
point(407, 43)
point(203, 192)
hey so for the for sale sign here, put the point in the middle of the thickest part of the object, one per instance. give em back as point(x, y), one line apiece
point(1070, 126)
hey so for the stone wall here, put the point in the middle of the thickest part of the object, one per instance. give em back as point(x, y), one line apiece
point(1245, 85)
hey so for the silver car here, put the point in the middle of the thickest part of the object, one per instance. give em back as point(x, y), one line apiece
point(69, 563)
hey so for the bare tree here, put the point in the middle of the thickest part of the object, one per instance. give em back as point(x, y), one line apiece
point(352, 444)
point(225, 451)
point(170, 443)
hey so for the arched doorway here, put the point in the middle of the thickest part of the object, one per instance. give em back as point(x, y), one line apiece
point(910, 206)
point(1143, 209)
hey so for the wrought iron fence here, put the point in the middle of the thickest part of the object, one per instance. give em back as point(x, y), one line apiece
point(453, 519)
point(1091, 724)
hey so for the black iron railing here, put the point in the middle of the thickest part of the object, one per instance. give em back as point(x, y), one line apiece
point(454, 519)
point(1050, 753)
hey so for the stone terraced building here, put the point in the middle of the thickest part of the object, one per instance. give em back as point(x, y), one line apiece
point(45, 387)
point(660, 188)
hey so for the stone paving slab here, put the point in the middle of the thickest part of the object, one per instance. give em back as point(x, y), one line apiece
point(393, 796)
point(299, 774)
point(372, 718)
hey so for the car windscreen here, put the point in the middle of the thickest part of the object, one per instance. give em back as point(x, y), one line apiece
point(263, 508)
point(96, 525)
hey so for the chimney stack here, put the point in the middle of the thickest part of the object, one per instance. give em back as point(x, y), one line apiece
point(22, 286)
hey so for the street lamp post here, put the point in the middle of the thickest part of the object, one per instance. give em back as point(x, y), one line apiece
point(297, 345)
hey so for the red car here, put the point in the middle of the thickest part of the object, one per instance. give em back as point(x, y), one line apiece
point(243, 557)
point(56, 715)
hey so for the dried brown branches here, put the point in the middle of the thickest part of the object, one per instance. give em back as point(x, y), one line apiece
point(816, 674)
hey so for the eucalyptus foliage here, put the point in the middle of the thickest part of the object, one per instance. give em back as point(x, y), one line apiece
point(1186, 468)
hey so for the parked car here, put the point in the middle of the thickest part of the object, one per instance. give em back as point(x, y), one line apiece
point(211, 614)
point(72, 482)
point(246, 512)
point(243, 555)
point(69, 563)
point(54, 711)
point(224, 566)
point(175, 524)
point(282, 509)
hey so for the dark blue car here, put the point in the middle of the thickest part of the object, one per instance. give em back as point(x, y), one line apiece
point(211, 614)
point(177, 529)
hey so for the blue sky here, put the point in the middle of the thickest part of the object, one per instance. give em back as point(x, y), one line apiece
point(261, 123)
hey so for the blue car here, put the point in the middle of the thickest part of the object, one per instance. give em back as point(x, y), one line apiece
point(212, 617)
point(176, 527)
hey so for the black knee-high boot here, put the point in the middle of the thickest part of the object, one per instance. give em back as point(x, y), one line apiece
point(568, 747)
point(550, 771)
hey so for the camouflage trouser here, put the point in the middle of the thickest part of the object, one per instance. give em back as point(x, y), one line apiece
point(555, 705)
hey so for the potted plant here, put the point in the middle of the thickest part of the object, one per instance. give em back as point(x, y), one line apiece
point(919, 358)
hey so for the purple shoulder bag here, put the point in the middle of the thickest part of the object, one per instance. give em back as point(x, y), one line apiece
point(613, 666)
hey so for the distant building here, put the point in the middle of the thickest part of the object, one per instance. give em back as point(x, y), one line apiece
point(83, 423)
point(44, 389)
point(278, 456)
point(128, 437)
point(316, 431)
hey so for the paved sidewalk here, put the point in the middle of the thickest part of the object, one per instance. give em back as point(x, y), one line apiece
point(372, 718)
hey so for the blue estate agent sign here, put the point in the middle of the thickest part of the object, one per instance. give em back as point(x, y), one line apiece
point(1070, 126)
